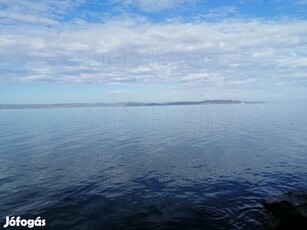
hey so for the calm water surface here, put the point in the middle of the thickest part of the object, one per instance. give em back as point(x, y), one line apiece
point(172, 167)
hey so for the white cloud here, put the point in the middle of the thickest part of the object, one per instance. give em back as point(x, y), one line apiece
point(219, 13)
point(126, 50)
point(119, 92)
point(155, 5)
point(40, 12)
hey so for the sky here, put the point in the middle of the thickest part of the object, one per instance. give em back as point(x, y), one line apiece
point(87, 51)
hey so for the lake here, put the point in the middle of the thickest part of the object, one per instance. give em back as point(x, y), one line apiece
point(170, 167)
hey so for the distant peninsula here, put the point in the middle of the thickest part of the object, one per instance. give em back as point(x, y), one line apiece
point(128, 104)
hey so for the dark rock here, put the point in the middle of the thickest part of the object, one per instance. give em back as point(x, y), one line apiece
point(302, 211)
point(290, 211)
point(279, 209)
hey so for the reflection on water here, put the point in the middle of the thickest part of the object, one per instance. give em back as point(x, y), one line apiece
point(198, 167)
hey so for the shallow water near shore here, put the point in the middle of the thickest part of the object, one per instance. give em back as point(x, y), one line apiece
point(169, 167)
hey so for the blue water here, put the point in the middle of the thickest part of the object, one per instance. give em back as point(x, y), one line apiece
point(172, 167)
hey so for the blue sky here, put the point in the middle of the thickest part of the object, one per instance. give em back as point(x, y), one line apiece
point(54, 51)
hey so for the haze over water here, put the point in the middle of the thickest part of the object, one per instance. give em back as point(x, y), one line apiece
point(202, 166)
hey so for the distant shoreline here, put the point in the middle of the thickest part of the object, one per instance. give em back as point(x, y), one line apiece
point(127, 104)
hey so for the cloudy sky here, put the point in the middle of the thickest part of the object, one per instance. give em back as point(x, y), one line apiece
point(55, 51)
